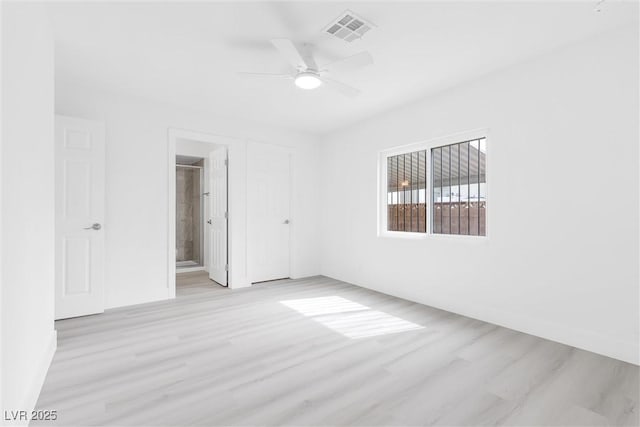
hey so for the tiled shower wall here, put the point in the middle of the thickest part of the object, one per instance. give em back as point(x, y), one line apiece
point(188, 211)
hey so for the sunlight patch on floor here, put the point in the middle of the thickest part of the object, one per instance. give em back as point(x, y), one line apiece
point(349, 318)
point(323, 305)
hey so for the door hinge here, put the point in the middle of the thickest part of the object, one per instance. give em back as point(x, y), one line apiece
point(226, 215)
point(226, 162)
point(226, 267)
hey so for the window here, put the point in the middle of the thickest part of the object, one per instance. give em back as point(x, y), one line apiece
point(407, 192)
point(459, 189)
point(436, 189)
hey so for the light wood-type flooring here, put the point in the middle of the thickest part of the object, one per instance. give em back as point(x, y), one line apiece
point(318, 351)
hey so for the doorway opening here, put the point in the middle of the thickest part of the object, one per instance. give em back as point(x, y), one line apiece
point(190, 212)
point(198, 210)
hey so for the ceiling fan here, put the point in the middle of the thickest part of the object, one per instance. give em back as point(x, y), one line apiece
point(307, 75)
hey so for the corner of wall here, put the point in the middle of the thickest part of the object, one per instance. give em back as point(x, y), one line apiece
point(1, 203)
point(33, 393)
point(28, 338)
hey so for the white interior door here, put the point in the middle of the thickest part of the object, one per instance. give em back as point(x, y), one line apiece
point(217, 222)
point(269, 201)
point(79, 183)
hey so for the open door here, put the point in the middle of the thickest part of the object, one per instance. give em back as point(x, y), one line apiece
point(217, 223)
point(79, 233)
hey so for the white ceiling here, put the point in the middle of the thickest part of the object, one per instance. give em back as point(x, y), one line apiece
point(187, 54)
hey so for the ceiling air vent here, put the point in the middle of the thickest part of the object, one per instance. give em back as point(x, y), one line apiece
point(348, 27)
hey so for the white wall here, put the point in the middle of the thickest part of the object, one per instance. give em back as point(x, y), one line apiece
point(561, 260)
point(137, 185)
point(28, 336)
point(188, 147)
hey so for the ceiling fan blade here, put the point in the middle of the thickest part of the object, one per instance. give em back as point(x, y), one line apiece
point(343, 88)
point(358, 60)
point(295, 57)
point(265, 75)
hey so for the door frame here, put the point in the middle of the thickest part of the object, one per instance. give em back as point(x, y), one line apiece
point(236, 149)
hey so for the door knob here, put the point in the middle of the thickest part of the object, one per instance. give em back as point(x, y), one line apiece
point(95, 226)
point(286, 221)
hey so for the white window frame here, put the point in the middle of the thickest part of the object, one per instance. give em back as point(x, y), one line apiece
point(428, 146)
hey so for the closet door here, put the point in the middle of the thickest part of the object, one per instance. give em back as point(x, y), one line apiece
point(269, 210)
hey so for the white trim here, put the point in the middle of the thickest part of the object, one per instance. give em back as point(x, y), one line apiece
point(292, 222)
point(33, 393)
point(427, 145)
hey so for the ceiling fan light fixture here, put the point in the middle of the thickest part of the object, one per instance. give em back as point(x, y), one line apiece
point(308, 80)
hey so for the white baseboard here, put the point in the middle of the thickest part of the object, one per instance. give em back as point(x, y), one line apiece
point(605, 345)
point(620, 348)
point(614, 347)
point(41, 373)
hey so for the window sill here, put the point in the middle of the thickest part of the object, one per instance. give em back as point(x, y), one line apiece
point(459, 237)
point(425, 236)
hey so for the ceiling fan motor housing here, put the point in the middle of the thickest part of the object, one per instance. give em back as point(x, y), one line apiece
point(308, 79)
